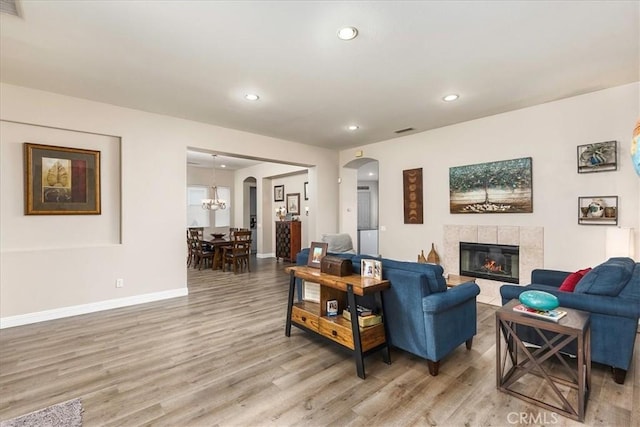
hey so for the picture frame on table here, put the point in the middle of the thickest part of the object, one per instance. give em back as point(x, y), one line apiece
point(293, 203)
point(278, 193)
point(61, 180)
point(371, 268)
point(317, 251)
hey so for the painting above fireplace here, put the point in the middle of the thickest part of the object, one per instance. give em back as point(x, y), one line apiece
point(496, 187)
point(490, 261)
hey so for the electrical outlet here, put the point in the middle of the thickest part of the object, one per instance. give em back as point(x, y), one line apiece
point(119, 283)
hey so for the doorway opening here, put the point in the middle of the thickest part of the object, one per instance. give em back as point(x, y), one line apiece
point(368, 208)
point(250, 197)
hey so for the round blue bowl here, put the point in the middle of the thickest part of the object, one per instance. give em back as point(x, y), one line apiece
point(539, 300)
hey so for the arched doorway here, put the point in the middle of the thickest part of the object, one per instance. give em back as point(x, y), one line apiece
point(367, 205)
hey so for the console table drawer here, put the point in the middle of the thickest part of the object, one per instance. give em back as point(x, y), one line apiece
point(305, 318)
point(339, 330)
point(335, 330)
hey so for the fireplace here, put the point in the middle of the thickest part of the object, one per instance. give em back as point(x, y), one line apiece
point(489, 261)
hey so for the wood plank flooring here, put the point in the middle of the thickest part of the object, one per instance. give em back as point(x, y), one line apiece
point(220, 357)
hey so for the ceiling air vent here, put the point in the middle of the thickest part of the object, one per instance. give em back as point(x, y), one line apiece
point(10, 7)
point(404, 130)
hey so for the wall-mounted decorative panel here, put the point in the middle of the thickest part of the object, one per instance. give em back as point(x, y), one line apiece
point(412, 190)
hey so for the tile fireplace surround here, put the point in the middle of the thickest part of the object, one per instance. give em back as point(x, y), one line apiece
point(529, 239)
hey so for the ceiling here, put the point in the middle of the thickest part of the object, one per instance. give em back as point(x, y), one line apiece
point(197, 60)
point(203, 159)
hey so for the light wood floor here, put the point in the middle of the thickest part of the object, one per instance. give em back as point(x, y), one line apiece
point(220, 357)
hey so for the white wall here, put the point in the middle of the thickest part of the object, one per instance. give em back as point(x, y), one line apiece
point(151, 256)
point(549, 133)
point(204, 176)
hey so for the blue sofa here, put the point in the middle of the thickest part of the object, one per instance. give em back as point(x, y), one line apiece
point(611, 293)
point(422, 316)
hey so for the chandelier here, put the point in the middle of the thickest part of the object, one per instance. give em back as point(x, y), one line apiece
point(216, 202)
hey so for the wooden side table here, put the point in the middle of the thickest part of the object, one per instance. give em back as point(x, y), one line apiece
point(455, 280)
point(575, 326)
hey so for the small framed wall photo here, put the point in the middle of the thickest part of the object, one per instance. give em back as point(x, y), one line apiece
point(278, 193)
point(306, 191)
point(61, 180)
point(317, 251)
point(293, 203)
point(598, 210)
point(597, 157)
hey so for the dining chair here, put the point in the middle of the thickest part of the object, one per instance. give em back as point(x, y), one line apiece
point(198, 230)
point(190, 253)
point(238, 253)
point(201, 252)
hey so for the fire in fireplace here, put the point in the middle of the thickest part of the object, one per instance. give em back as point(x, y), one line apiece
point(489, 261)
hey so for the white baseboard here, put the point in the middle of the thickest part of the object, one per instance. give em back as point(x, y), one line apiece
point(267, 255)
point(58, 313)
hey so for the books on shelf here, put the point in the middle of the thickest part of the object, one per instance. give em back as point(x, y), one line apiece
point(311, 292)
point(364, 321)
point(362, 310)
point(553, 315)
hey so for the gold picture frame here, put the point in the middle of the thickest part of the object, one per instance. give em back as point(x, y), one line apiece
point(61, 180)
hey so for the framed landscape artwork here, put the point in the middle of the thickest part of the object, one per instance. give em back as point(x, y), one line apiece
point(495, 187)
point(61, 180)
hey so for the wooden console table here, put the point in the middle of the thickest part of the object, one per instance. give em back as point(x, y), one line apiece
point(312, 317)
point(575, 326)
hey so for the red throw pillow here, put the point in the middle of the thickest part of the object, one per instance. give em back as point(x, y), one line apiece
point(569, 284)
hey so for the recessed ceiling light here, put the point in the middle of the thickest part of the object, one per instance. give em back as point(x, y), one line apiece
point(451, 97)
point(223, 166)
point(347, 33)
point(353, 127)
point(251, 97)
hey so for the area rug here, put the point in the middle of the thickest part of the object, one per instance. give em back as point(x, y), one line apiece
point(65, 414)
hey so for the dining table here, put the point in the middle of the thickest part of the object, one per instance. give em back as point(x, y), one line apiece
point(217, 245)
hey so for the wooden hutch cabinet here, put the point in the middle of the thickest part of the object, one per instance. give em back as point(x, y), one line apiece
point(288, 240)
